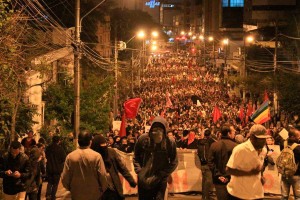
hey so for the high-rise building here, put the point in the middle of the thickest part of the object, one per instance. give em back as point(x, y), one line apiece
point(223, 17)
point(171, 14)
point(263, 13)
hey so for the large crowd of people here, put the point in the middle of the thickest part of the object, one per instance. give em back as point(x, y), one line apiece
point(182, 95)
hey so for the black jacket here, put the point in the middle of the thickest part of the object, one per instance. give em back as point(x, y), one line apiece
point(20, 163)
point(157, 161)
point(218, 156)
point(56, 157)
point(114, 165)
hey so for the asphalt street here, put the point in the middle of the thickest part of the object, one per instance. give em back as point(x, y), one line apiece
point(62, 194)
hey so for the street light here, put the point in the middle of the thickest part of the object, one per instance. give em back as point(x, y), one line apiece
point(225, 43)
point(154, 34)
point(211, 39)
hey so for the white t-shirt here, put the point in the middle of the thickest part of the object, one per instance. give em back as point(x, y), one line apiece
point(245, 157)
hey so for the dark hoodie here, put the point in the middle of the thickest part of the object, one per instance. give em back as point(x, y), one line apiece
point(157, 160)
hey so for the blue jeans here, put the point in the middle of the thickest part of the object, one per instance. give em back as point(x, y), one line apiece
point(286, 183)
point(206, 182)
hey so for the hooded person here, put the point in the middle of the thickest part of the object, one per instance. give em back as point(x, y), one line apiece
point(114, 165)
point(155, 158)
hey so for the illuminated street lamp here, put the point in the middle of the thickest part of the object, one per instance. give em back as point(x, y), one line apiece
point(201, 37)
point(153, 48)
point(249, 39)
point(141, 34)
point(182, 33)
point(154, 34)
point(225, 43)
point(211, 39)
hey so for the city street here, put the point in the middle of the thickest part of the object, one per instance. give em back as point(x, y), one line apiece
point(63, 195)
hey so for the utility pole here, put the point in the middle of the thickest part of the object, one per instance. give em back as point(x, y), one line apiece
point(77, 57)
point(275, 68)
point(116, 79)
point(132, 74)
point(77, 72)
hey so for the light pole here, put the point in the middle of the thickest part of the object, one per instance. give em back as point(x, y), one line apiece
point(211, 39)
point(225, 43)
point(201, 37)
point(77, 56)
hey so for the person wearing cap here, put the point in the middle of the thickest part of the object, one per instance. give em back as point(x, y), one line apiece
point(155, 158)
point(114, 165)
point(246, 164)
point(15, 170)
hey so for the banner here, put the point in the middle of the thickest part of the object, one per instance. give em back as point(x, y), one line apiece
point(116, 125)
point(188, 177)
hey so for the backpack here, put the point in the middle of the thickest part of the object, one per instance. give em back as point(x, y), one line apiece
point(286, 164)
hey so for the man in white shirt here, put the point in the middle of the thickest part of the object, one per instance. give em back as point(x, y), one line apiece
point(245, 166)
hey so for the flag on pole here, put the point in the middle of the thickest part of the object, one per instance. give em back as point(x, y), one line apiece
point(216, 114)
point(131, 107)
point(266, 97)
point(168, 100)
point(262, 114)
point(122, 132)
point(198, 103)
point(241, 114)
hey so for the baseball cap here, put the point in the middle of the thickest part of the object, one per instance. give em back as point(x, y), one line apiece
point(259, 131)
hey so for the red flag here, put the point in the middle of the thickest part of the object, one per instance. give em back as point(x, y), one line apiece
point(123, 126)
point(131, 107)
point(216, 114)
point(249, 109)
point(266, 97)
point(162, 114)
point(168, 100)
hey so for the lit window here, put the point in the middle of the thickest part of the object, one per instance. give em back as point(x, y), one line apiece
point(233, 3)
point(236, 3)
point(225, 3)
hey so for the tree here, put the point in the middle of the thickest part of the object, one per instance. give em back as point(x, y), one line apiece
point(13, 68)
point(20, 41)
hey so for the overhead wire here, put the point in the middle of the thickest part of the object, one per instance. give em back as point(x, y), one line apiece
point(87, 51)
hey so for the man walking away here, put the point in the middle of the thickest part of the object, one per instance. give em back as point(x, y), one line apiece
point(84, 173)
point(55, 156)
point(114, 165)
point(203, 149)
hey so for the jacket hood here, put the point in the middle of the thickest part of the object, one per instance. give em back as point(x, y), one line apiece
point(159, 122)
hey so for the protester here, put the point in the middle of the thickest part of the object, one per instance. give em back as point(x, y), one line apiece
point(36, 168)
point(114, 165)
point(292, 181)
point(219, 154)
point(28, 142)
point(84, 173)
point(203, 151)
point(55, 155)
point(15, 171)
point(246, 164)
point(155, 158)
